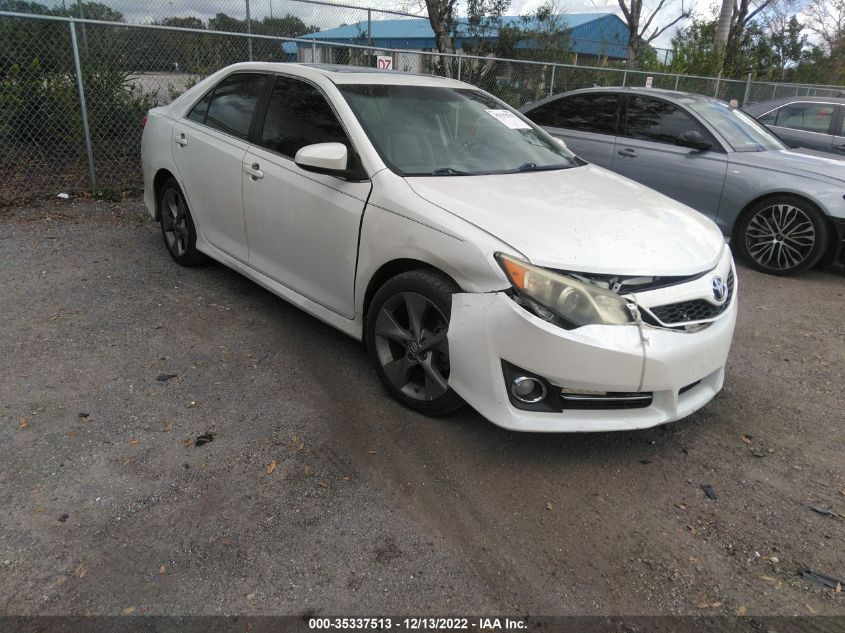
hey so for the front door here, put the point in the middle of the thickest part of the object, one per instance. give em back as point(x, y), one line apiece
point(302, 227)
point(646, 151)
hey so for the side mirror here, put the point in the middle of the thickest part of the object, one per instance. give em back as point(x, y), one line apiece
point(693, 139)
point(323, 158)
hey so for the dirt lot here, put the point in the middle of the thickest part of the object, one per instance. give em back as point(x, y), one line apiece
point(107, 505)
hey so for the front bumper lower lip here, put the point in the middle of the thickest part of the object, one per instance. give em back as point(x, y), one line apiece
point(682, 370)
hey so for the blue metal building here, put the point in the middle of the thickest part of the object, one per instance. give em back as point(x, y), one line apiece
point(600, 35)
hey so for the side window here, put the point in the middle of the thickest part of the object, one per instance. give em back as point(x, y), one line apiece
point(659, 121)
point(808, 117)
point(299, 115)
point(233, 104)
point(199, 111)
point(769, 118)
point(545, 114)
point(589, 113)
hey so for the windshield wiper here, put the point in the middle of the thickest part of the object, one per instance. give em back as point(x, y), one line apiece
point(536, 167)
point(448, 171)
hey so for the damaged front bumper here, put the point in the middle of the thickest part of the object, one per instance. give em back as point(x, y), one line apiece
point(491, 336)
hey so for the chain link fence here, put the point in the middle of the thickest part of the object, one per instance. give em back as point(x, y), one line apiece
point(50, 143)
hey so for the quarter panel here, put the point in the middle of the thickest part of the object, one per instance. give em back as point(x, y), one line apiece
point(746, 183)
point(155, 154)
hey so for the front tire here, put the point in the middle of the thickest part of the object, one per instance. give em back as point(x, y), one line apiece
point(406, 328)
point(177, 225)
point(782, 235)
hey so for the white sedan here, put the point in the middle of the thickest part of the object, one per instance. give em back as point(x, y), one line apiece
point(477, 258)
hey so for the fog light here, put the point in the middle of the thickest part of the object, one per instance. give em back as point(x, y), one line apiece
point(528, 390)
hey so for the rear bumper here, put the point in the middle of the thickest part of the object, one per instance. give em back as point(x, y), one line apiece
point(682, 370)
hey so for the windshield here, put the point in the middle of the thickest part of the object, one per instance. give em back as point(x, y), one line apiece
point(438, 131)
point(741, 131)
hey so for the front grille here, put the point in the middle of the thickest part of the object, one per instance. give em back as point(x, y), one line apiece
point(694, 310)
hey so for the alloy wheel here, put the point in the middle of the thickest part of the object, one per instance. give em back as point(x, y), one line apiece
point(174, 222)
point(780, 237)
point(411, 345)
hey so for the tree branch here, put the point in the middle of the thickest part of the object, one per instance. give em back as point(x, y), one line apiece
point(650, 18)
point(685, 13)
point(625, 11)
point(756, 11)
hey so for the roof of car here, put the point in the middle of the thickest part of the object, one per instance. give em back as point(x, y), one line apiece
point(756, 109)
point(671, 95)
point(354, 74)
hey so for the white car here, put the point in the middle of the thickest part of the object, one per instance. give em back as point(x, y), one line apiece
point(477, 258)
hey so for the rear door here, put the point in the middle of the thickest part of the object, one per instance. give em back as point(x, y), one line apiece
point(804, 124)
point(302, 226)
point(208, 146)
point(586, 122)
point(646, 151)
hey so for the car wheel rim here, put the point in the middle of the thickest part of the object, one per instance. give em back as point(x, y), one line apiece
point(174, 221)
point(411, 344)
point(780, 237)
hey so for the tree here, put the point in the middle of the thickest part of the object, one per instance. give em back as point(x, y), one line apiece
point(787, 43)
point(441, 16)
point(696, 52)
point(744, 14)
point(640, 31)
point(723, 26)
point(484, 20)
point(96, 11)
point(182, 23)
point(287, 26)
point(693, 48)
point(826, 18)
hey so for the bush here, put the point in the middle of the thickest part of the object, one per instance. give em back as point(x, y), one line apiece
point(42, 107)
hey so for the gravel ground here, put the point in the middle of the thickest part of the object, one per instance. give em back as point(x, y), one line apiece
point(109, 504)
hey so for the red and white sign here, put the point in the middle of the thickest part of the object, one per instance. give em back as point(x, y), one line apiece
point(384, 62)
point(649, 81)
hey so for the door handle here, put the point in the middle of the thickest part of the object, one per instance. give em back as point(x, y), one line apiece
point(254, 172)
point(628, 152)
point(181, 140)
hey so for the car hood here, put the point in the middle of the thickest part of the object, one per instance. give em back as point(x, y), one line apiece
point(584, 219)
point(802, 162)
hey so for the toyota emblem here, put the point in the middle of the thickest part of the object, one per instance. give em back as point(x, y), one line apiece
point(720, 289)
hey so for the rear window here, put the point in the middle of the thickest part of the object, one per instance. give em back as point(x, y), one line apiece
point(589, 113)
point(229, 108)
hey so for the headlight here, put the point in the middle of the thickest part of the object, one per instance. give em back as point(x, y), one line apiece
point(575, 302)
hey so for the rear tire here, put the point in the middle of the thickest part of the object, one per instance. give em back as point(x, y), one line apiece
point(406, 328)
point(782, 235)
point(177, 225)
